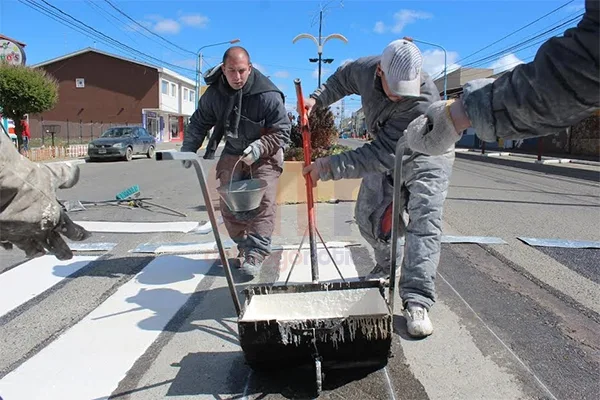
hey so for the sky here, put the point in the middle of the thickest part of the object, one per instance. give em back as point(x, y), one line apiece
point(171, 32)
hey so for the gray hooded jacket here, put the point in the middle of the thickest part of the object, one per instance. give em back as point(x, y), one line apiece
point(263, 122)
point(385, 119)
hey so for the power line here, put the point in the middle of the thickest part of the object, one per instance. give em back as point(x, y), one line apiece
point(512, 48)
point(518, 30)
point(516, 47)
point(146, 29)
point(88, 30)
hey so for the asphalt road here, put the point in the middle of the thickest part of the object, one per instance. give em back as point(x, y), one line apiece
point(511, 321)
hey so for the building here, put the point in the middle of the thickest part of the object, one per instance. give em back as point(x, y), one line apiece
point(458, 77)
point(98, 90)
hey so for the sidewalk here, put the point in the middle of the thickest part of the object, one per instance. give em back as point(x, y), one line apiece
point(570, 167)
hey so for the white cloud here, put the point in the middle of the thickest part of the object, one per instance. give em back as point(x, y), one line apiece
point(346, 60)
point(506, 62)
point(379, 27)
point(324, 73)
point(401, 19)
point(195, 20)
point(167, 26)
point(187, 63)
point(260, 68)
point(433, 62)
point(281, 74)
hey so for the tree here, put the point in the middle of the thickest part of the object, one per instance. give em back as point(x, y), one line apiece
point(24, 90)
point(323, 133)
point(323, 136)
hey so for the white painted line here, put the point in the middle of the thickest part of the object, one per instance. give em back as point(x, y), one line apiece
point(91, 358)
point(91, 246)
point(211, 247)
point(181, 248)
point(330, 245)
point(472, 239)
point(327, 271)
point(32, 278)
point(567, 244)
point(138, 227)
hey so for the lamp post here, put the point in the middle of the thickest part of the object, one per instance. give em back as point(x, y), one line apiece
point(320, 43)
point(199, 63)
point(445, 61)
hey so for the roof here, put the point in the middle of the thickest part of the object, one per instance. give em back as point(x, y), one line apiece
point(12, 40)
point(90, 49)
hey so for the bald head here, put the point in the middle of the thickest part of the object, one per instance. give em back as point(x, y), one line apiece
point(236, 66)
point(235, 52)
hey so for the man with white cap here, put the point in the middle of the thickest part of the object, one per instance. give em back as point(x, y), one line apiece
point(394, 91)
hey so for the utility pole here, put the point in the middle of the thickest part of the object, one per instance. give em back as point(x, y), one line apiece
point(320, 42)
point(342, 116)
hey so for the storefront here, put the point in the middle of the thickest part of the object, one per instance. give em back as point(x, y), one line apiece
point(164, 126)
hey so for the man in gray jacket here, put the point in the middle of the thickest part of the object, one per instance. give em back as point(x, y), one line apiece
point(248, 110)
point(394, 91)
point(559, 88)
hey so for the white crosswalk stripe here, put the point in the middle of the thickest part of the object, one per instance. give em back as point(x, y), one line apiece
point(89, 360)
point(33, 277)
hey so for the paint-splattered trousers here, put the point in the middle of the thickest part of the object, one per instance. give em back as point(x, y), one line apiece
point(425, 181)
point(251, 230)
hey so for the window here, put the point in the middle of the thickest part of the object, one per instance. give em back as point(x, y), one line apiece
point(185, 94)
point(164, 87)
point(173, 90)
point(192, 96)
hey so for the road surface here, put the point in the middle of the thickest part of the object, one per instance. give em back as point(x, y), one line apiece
point(511, 321)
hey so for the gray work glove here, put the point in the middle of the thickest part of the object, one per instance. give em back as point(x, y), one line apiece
point(433, 133)
point(31, 217)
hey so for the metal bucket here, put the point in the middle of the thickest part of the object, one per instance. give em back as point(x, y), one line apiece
point(244, 195)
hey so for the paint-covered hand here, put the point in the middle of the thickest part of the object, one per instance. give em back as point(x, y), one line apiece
point(250, 155)
point(318, 168)
point(309, 103)
point(32, 219)
point(436, 131)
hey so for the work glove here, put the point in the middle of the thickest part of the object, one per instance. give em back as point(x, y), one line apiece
point(434, 132)
point(32, 218)
point(320, 167)
point(250, 155)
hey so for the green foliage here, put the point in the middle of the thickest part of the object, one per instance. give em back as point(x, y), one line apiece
point(323, 137)
point(24, 90)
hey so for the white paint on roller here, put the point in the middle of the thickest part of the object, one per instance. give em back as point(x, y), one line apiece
point(327, 271)
point(138, 227)
point(28, 280)
point(316, 305)
point(91, 358)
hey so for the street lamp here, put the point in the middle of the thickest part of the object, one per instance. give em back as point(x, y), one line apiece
point(199, 63)
point(320, 43)
point(445, 61)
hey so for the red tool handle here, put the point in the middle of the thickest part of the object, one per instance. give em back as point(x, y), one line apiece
point(305, 129)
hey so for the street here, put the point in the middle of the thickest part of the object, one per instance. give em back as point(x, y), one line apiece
point(512, 321)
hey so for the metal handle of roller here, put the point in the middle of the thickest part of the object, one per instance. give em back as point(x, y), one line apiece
point(193, 158)
point(305, 129)
point(396, 215)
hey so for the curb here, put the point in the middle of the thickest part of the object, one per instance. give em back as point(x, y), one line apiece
point(545, 167)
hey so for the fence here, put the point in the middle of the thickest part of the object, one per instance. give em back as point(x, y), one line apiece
point(56, 152)
point(64, 133)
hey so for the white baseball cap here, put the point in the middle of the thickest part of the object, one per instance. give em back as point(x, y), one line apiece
point(401, 63)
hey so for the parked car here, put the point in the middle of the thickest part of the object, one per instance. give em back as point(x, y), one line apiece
point(122, 142)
